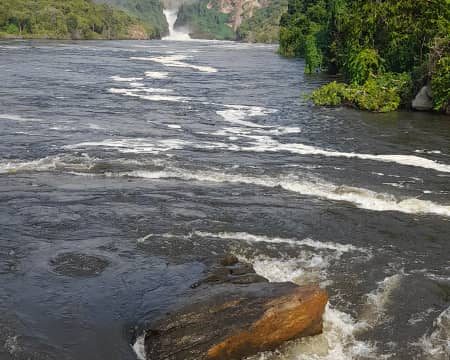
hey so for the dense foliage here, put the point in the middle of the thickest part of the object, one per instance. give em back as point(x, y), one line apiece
point(204, 22)
point(148, 11)
point(378, 93)
point(264, 25)
point(370, 41)
point(64, 19)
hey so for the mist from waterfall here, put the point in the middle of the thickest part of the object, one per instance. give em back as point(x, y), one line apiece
point(179, 35)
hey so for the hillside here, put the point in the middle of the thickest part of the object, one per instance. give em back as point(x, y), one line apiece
point(150, 12)
point(247, 20)
point(69, 19)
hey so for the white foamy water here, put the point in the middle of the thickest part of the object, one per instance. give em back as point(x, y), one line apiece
point(137, 84)
point(237, 116)
point(18, 118)
point(360, 197)
point(267, 144)
point(155, 94)
point(176, 61)
point(136, 91)
point(337, 342)
point(157, 74)
point(276, 240)
point(126, 79)
point(436, 344)
point(379, 299)
point(46, 164)
point(174, 34)
point(135, 145)
point(139, 348)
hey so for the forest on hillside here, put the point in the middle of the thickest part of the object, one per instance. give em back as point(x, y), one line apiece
point(74, 19)
point(385, 50)
point(150, 12)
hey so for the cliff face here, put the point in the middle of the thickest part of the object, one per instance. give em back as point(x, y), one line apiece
point(237, 9)
point(248, 20)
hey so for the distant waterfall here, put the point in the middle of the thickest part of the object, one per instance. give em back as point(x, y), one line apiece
point(171, 16)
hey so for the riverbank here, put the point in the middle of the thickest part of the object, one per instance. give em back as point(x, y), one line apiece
point(135, 34)
point(386, 51)
point(74, 20)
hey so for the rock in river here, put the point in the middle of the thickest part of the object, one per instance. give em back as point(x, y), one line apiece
point(233, 313)
point(423, 100)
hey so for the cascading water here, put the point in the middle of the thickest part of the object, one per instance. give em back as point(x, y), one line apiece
point(171, 16)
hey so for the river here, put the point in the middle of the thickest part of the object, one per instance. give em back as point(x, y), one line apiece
point(123, 165)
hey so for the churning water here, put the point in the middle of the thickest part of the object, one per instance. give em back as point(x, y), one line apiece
point(124, 164)
point(174, 34)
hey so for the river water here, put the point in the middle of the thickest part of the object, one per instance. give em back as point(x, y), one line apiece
point(125, 165)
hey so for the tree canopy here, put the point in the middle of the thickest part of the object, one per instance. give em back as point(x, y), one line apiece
point(367, 40)
point(62, 19)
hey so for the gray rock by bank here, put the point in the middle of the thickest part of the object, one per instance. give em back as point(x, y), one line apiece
point(423, 100)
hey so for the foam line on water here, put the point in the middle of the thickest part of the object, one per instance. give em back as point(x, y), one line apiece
point(176, 61)
point(157, 74)
point(360, 197)
point(46, 164)
point(155, 94)
point(14, 117)
point(277, 240)
point(136, 145)
point(126, 79)
point(267, 144)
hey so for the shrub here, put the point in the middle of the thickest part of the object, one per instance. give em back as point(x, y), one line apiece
point(440, 84)
point(363, 65)
point(12, 29)
point(313, 56)
point(381, 93)
point(331, 94)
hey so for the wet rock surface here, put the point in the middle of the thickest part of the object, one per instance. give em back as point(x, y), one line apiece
point(423, 100)
point(233, 313)
point(78, 264)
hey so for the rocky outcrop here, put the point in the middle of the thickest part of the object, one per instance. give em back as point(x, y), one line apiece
point(239, 9)
point(233, 313)
point(423, 100)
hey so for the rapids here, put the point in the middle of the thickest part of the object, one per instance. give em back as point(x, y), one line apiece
point(123, 165)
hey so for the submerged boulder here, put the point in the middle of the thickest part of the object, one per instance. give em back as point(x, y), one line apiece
point(234, 313)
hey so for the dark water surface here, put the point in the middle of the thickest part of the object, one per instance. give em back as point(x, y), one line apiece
point(124, 165)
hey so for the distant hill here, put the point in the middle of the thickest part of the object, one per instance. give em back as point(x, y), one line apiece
point(70, 19)
point(148, 11)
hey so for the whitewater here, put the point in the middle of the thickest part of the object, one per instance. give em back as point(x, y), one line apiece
point(146, 158)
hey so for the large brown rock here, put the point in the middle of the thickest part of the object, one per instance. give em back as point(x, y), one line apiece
point(234, 313)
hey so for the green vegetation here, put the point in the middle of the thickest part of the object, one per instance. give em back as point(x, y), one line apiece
point(150, 12)
point(68, 19)
point(386, 50)
point(264, 25)
point(378, 93)
point(205, 23)
point(205, 20)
